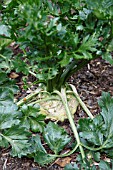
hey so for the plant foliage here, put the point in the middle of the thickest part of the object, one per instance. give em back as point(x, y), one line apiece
point(59, 39)
point(55, 39)
point(55, 137)
point(99, 131)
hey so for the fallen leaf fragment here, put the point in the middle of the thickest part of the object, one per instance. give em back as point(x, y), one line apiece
point(63, 161)
point(13, 75)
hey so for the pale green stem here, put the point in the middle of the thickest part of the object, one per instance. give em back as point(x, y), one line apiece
point(7, 138)
point(2, 56)
point(32, 73)
point(81, 102)
point(45, 99)
point(67, 154)
point(92, 149)
point(27, 98)
point(69, 115)
point(99, 148)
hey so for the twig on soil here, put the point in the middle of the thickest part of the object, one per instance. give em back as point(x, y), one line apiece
point(4, 165)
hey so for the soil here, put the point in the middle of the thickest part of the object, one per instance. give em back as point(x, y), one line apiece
point(96, 77)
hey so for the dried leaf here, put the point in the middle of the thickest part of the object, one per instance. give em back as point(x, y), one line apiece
point(13, 75)
point(63, 161)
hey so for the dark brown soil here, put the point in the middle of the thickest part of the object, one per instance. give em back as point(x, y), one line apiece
point(90, 82)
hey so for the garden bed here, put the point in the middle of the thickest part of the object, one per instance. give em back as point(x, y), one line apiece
point(96, 77)
point(51, 50)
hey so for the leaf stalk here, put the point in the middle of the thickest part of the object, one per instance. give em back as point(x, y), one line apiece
point(28, 97)
point(69, 115)
point(81, 102)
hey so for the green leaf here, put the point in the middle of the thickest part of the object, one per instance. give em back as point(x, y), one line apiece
point(6, 94)
point(30, 110)
point(88, 44)
point(109, 152)
point(96, 156)
point(59, 27)
point(4, 42)
point(93, 137)
point(71, 167)
point(4, 30)
point(10, 131)
point(110, 46)
point(36, 145)
point(19, 147)
point(3, 77)
point(92, 130)
point(17, 137)
point(20, 66)
point(51, 30)
point(79, 27)
point(42, 158)
point(7, 121)
point(7, 105)
point(37, 124)
point(99, 131)
point(52, 24)
point(5, 108)
point(102, 9)
point(7, 85)
point(108, 57)
point(87, 55)
point(32, 119)
point(52, 8)
point(104, 165)
point(56, 137)
point(66, 59)
point(106, 104)
point(8, 110)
